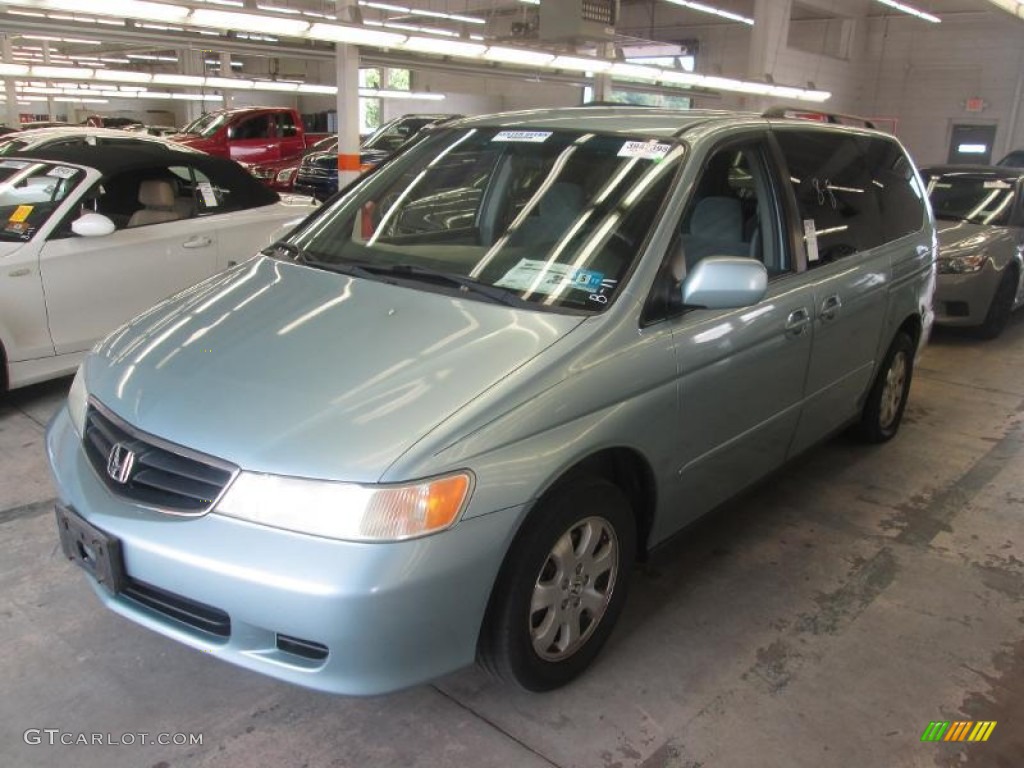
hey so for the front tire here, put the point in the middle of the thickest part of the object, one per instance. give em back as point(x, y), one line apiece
point(562, 586)
point(999, 310)
point(883, 410)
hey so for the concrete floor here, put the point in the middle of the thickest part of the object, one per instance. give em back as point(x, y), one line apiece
point(822, 620)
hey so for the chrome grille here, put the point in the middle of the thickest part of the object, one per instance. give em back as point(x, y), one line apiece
point(162, 475)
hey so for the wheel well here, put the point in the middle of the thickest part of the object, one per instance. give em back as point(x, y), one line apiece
point(912, 327)
point(632, 474)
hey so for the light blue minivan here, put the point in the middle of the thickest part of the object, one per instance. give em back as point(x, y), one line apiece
point(442, 418)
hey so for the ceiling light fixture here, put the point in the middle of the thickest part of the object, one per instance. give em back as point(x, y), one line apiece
point(443, 47)
point(909, 9)
point(703, 8)
point(246, 22)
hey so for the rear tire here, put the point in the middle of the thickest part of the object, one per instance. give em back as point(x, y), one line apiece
point(561, 587)
point(883, 410)
point(999, 310)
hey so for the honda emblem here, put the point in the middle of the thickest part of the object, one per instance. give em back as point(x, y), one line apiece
point(119, 463)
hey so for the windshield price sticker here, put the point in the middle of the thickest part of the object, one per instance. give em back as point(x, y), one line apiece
point(15, 164)
point(208, 195)
point(62, 172)
point(528, 137)
point(645, 150)
point(996, 185)
point(544, 277)
point(811, 239)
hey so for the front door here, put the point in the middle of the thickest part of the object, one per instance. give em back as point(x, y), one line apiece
point(95, 284)
point(741, 371)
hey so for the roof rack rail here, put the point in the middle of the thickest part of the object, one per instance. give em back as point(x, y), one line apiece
point(836, 118)
point(616, 104)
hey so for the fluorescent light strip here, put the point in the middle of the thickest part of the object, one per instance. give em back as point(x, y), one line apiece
point(420, 12)
point(712, 10)
point(361, 35)
point(245, 22)
point(903, 7)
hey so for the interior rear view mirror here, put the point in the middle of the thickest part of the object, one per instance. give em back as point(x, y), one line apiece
point(92, 225)
point(725, 282)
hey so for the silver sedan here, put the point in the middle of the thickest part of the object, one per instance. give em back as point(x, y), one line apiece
point(980, 225)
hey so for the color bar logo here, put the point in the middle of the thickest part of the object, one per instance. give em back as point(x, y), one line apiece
point(960, 730)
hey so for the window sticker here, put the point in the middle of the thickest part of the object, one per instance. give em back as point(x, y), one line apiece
point(17, 227)
point(62, 172)
point(20, 214)
point(811, 238)
point(645, 150)
point(209, 196)
point(996, 184)
point(544, 277)
point(528, 137)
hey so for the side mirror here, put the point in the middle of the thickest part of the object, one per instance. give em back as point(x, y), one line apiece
point(92, 225)
point(725, 282)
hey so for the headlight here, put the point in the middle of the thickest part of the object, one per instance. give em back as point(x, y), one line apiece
point(285, 174)
point(347, 510)
point(960, 265)
point(78, 401)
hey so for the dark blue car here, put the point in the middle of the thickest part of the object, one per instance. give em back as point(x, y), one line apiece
point(318, 172)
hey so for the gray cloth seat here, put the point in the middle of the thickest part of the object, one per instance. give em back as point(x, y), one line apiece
point(556, 211)
point(159, 204)
point(716, 229)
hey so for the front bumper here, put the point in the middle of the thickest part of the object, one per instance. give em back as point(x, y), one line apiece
point(390, 615)
point(963, 300)
point(320, 187)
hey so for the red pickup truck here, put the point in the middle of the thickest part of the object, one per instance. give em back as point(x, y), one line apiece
point(249, 134)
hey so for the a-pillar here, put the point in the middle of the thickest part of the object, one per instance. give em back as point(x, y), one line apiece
point(767, 41)
point(347, 80)
point(13, 118)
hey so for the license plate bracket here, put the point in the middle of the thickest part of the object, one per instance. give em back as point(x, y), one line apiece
point(96, 551)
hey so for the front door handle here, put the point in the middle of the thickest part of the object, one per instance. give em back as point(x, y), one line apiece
point(798, 320)
point(200, 241)
point(830, 307)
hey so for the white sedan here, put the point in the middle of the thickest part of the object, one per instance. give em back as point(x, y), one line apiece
point(91, 236)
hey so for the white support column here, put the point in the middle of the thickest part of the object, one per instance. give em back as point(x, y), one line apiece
point(347, 80)
point(12, 118)
point(602, 80)
point(226, 71)
point(192, 62)
point(49, 99)
point(767, 40)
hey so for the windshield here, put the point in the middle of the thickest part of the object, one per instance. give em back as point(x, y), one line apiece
point(977, 199)
point(1015, 159)
point(30, 192)
point(9, 145)
point(206, 125)
point(556, 218)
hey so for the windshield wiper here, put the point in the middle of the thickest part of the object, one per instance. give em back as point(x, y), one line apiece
point(301, 255)
point(411, 271)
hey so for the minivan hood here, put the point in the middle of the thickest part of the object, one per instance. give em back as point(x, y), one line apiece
point(286, 369)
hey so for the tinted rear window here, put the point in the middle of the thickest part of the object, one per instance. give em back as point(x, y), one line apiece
point(861, 192)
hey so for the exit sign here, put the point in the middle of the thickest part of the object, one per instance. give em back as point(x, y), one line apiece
point(974, 105)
